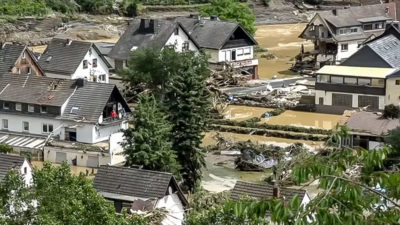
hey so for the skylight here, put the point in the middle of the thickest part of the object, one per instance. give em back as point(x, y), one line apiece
point(74, 110)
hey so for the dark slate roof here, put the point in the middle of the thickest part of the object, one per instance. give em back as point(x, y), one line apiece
point(62, 58)
point(35, 90)
point(90, 99)
point(134, 182)
point(263, 191)
point(104, 47)
point(133, 36)
point(375, 125)
point(354, 16)
point(209, 33)
point(388, 48)
point(9, 55)
point(8, 162)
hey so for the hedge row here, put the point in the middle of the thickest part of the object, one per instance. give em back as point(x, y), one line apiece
point(252, 123)
point(270, 133)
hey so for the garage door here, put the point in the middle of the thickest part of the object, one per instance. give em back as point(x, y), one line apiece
point(61, 157)
point(371, 101)
point(342, 100)
point(93, 161)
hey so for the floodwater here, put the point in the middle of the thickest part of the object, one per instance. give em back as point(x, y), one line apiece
point(289, 117)
point(76, 170)
point(282, 41)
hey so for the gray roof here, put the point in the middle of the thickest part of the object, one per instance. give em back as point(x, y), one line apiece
point(104, 47)
point(9, 55)
point(353, 16)
point(388, 48)
point(370, 123)
point(8, 162)
point(134, 182)
point(35, 90)
point(263, 191)
point(133, 36)
point(212, 34)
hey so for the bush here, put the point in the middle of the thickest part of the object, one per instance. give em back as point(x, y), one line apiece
point(391, 112)
point(5, 148)
point(23, 7)
point(128, 8)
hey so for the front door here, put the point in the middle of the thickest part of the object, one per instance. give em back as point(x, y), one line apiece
point(233, 55)
point(321, 101)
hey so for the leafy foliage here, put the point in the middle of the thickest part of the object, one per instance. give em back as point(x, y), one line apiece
point(393, 139)
point(23, 7)
point(148, 141)
point(5, 148)
point(63, 6)
point(232, 10)
point(391, 112)
point(188, 105)
point(96, 6)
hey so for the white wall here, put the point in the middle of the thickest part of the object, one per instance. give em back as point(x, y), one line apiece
point(177, 41)
point(81, 156)
point(116, 149)
point(224, 55)
point(28, 177)
point(392, 92)
point(175, 210)
point(99, 70)
point(352, 48)
point(103, 133)
point(327, 95)
point(35, 123)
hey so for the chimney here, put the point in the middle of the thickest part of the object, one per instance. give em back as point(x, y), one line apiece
point(334, 11)
point(148, 26)
point(276, 192)
point(80, 82)
point(153, 25)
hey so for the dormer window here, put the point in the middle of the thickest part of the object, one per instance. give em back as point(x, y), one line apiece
point(43, 109)
point(6, 105)
point(18, 106)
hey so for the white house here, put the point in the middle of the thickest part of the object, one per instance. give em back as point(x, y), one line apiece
point(70, 59)
point(12, 162)
point(339, 33)
point(226, 43)
point(150, 33)
point(37, 111)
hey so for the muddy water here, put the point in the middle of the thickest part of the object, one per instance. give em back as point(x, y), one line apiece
point(283, 42)
point(289, 117)
point(76, 170)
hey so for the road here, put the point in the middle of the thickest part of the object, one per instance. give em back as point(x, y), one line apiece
point(263, 87)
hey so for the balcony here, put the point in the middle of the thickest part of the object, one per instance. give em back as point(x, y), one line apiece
point(356, 89)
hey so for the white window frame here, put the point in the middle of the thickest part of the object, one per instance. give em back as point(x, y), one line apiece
point(247, 51)
point(3, 122)
point(29, 70)
point(342, 49)
point(23, 126)
point(239, 52)
point(23, 55)
point(31, 108)
point(18, 106)
point(43, 107)
point(47, 125)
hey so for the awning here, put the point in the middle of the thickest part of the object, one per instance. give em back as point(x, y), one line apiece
point(354, 71)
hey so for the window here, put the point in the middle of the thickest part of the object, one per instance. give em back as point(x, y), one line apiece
point(378, 26)
point(6, 105)
point(31, 108)
point(336, 80)
point(323, 78)
point(28, 70)
point(367, 27)
point(25, 126)
point(185, 46)
point(239, 52)
point(94, 63)
point(341, 31)
point(47, 128)
point(18, 106)
point(350, 80)
point(378, 82)
point(5, 124)
point(85, 64)
point(353, 30)
point(43, 109)
point(176, 31)
point(364, 81)
point(247, 51)
point(19, 71)
point(23, 55)
point(344, 47)
point(102, 77)
point(397, 82)
point(74, 110)
point(25, 170)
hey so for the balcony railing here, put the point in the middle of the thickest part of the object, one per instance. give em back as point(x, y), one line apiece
point(347, 88)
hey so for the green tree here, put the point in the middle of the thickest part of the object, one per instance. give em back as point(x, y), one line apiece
point(148, 141)
point(96, 6)
point(5, 148)
point(393, 139)
point(188, 106)
point(232, 10)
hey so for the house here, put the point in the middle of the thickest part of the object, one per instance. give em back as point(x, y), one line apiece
point(266, 191)
point(142, 190)
point(18, 59)
point(338, 88)
point(339, 33)
point(150, 33)
point(12, 162)
point(226, 43)
point(71, 59)
point(367, 130)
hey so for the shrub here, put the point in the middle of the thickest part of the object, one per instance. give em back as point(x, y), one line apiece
point(391, 112)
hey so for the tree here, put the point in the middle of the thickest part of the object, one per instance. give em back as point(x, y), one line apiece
point(393, 139)
point(188, 105)
point(152, 68)
point(5, 148)
point(391, 112)
point(232, 10)
point(148, 141)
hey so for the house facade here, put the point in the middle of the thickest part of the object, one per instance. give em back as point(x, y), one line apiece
point(18, 59)
point(21, 164)
point(339, 33)
point(226, 43)
point(150, 33)
point(71, 59)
